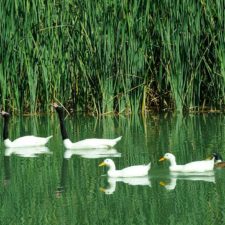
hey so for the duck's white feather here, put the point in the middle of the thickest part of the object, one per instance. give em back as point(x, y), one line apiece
point(91, 143)
point(196, 166)
point(132, 171)
point(27, 141)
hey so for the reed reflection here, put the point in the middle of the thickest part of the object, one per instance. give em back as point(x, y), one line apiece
point(64, 174)
point(7, 173)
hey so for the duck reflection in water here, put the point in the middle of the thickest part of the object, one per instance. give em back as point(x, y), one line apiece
point(21, 152)
point(27, 151)
point(111, 188)
point(204, 176)
point(92, 153)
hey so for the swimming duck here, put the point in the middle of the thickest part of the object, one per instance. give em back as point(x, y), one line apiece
point(25, 141)
point(92, 143)
point(196, 166)
point(132, 171)
point(218, 160)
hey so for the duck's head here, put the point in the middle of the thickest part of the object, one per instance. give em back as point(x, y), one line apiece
point(107, 162)
point(5, 114)
point(57, 107)
point(168, 156)
point(217, 157)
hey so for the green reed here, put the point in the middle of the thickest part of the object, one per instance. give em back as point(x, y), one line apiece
point(112, 56)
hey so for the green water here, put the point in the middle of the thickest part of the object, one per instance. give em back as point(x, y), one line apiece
point(49, 189)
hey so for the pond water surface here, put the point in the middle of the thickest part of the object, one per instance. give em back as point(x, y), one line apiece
point(67, 187)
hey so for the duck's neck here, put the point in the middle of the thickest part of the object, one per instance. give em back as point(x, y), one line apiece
point(62, 125)
point(6, 128)
point(112, 167)
point(173, 162)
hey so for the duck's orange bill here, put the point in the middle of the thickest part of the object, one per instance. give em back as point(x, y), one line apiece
point(162, 159)
point(102, 164)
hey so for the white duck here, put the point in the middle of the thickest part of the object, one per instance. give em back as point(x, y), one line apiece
point(196, 166)
point(92, 143)
point(25, 141)
point(132, 171)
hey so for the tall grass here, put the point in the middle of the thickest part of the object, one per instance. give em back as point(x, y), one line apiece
point(112, 56)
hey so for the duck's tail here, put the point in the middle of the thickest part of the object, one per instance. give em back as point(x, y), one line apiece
point(149, 166)
point(49, 137)
point(113, 142)
point(117, 139)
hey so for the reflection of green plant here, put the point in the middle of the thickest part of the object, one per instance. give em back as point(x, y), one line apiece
point(30, 195)
point(112, 56)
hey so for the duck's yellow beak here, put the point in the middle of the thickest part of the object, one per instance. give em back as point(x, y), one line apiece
point(162, 183)
point(102, 189)
point(102, 164)
point(162, 159)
